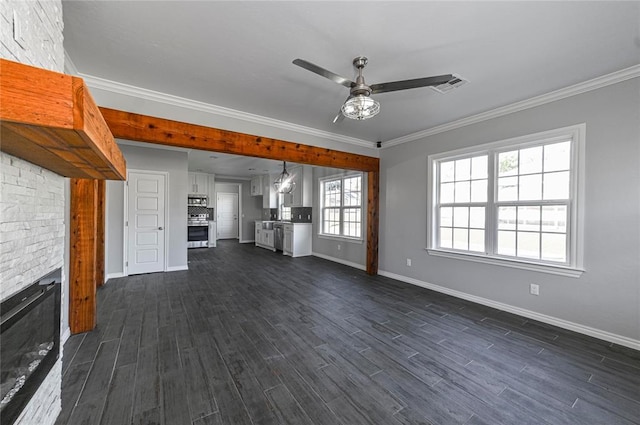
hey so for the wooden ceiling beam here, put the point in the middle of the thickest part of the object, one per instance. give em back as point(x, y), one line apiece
point(144, 128)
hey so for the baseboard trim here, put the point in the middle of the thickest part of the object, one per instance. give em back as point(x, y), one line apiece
point(177, 268)
point(113, 276)
point(248, 241)
point(339, 260)
point(561, 323)
point(66, 333)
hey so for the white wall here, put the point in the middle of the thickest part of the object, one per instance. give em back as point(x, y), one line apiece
point(605, 301)
point(32, 200)
point(351, 252)
point(142, 158)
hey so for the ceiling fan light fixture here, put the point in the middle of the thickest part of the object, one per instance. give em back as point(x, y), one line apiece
point(284, 183)
point(360, 107)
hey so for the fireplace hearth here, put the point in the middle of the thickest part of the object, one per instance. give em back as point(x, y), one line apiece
point(30, 342)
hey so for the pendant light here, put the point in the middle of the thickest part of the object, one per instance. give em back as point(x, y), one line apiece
point(284, 183)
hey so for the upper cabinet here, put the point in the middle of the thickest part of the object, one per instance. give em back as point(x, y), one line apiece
point(211, 192)
point(269, 195)
point(256, 186)
point(198, 184)
point(302, 194)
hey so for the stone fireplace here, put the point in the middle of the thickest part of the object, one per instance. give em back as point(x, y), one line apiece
point(32, 227)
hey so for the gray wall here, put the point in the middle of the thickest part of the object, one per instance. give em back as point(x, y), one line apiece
point(141, 158)
point(606, 296)
point(251, 205)
point(350, 251)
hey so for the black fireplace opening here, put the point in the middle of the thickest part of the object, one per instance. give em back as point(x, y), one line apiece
point(29, 342)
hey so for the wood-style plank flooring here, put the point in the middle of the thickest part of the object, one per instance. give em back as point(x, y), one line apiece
point(247, 336)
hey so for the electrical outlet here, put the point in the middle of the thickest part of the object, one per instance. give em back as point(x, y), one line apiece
point(409, 262)
point(534, 289)
point(338, 247)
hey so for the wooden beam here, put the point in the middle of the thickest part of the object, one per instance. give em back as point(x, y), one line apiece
point(82, 264)
point(144, 128)
point(100, 229)
point(373, 221)
point(51, 120)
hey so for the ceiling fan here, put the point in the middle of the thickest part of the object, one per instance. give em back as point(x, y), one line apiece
point(359, 105)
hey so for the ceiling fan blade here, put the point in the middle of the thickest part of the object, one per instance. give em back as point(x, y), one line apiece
point(410, 84)
point(323, 72)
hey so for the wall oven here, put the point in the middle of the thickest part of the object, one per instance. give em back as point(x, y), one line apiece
point(197, 231)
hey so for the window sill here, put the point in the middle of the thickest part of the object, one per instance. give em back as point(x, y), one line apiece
point(341, 238)
point(518, 264)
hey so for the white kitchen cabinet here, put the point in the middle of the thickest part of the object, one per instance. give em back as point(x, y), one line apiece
point(302, 193)
point(264, 237)
point(256, 186)
point(269, 195)
point(211, 192)
point(297, 239)
point(198, 184)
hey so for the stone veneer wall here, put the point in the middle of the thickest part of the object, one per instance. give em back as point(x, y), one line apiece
point(32, 201)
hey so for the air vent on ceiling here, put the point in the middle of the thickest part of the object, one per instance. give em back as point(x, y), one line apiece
point(454, 83)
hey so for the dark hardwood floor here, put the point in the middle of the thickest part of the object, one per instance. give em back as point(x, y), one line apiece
point(247, 336)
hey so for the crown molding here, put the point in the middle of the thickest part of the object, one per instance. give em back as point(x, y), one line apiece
point(586, 86)
point(151, 95)
point(69, 66)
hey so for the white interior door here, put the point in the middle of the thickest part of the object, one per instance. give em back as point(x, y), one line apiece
point(146, 222)
point(227, 206)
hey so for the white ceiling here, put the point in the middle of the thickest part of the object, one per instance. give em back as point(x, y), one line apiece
point(238, 54)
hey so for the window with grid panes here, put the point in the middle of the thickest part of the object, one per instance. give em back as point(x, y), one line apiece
point(513, 200)
point(341, 206)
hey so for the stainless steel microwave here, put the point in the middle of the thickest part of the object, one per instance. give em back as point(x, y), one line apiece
point(196, 201)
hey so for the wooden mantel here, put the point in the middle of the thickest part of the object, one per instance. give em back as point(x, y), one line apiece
point(51, 120)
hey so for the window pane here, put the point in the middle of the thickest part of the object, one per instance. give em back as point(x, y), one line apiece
point(460, 239)
point(531, 187)
point(332, 191)
point(447, 171)
point(528, 244)
point(331, 221)
point(479, 191)
point(508, 163)
point(476, 240)
point(352, 192)
point(446, 216)
point(461, 217)
point(556, 185)
point(506, 243)
point(531, 160)
point(446, 193)
point(446, 237)
point(351, 218)
point(507, 218)
point(554, 247)
point(529, 218)
point(463, 169)
point(557, 156)
point(462, 190)
point(507, 188)
point(554, 218)
point(479, 167)
point(476, 217)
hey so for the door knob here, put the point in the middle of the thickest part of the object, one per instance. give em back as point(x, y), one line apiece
point(160, 228)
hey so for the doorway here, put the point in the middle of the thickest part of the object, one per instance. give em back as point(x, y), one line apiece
point(227, 215)
point(145, 222)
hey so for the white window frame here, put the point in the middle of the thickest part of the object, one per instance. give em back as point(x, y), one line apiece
point(341, 177)
point(574, 266)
